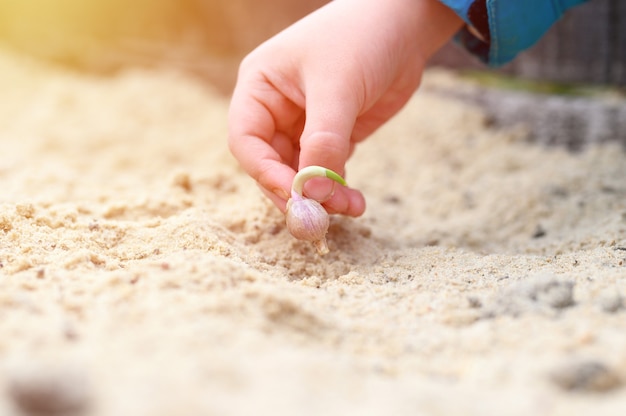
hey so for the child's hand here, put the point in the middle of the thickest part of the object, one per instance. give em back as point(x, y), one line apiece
point(309, 94)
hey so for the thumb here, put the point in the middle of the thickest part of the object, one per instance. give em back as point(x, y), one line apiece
point(325, 141)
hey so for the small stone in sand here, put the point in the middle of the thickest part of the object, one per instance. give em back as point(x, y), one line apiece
point(537, 294)
point(44, 391)
point(590, 376)
point(611, 302)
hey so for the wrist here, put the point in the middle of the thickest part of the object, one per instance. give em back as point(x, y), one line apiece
point(434, 25)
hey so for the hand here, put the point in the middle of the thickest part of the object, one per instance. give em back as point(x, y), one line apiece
point(309, 94)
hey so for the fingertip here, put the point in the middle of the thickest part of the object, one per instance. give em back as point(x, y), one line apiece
point(357, 205)
point(275, 181)
point(320, 189)
point(346, 201)
point(277, 198)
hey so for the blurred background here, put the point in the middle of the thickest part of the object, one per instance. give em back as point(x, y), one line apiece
point(209, 37)
point(205, 37)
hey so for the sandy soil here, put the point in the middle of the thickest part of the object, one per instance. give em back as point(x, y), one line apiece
point(142, 273)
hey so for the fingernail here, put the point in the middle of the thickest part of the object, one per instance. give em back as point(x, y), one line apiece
point(320, 189)
point(281, 193)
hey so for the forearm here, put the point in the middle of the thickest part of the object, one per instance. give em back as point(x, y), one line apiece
point(434, 25)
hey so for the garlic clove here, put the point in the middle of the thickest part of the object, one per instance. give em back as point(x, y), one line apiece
point(307, 220)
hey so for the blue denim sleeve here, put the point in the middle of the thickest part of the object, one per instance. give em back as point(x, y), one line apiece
point(497, 30)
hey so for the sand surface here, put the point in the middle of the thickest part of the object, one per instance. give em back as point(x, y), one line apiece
point(142, 273)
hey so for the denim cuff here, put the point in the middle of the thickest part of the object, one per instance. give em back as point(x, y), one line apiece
point(497, 30)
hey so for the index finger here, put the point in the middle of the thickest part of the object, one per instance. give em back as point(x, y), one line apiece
point(252, 130)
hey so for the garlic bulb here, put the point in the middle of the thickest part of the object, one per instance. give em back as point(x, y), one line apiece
point(306, 218)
